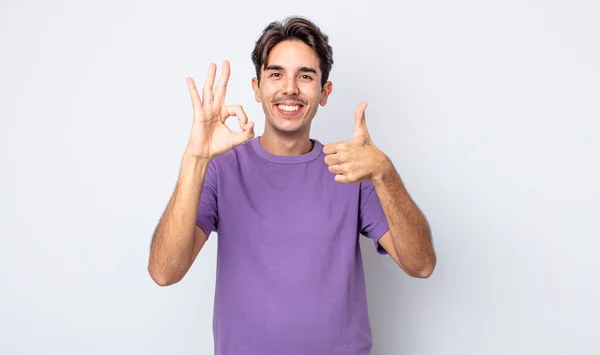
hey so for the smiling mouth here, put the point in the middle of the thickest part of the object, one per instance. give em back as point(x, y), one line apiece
point(289, 110)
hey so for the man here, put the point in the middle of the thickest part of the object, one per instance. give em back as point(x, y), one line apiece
point(288, 210)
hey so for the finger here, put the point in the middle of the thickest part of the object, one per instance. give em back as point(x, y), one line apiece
point(332, 159)
point(336, 169)
point(195, 96)
point(207, 92)
point(237, 111)
point(245, 135)
point(221, 88)
point(360, 125)
point(342, 179)
point(330, 148)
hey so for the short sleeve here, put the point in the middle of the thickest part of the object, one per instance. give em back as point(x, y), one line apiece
point(207, 217)
point(372, 222)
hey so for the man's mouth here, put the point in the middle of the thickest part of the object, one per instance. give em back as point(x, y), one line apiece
point(289, 109)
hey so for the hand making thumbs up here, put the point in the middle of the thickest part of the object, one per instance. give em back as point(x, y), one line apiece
point(357, 159)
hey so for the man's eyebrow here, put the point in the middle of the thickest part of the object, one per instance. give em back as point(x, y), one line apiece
point(274, 67)
point(309, 70)
point(302, 69)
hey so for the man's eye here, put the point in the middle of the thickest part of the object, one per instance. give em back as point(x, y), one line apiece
point(307, 77)
point(275, 74)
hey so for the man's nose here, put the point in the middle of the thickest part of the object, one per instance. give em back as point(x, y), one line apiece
point(290, 87)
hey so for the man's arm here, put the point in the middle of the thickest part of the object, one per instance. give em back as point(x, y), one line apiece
point(408, 240)
point(177, 240)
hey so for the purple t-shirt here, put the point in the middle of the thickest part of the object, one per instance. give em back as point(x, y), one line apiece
point(290, 276)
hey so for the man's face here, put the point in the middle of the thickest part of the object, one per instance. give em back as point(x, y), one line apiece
point(290, 87)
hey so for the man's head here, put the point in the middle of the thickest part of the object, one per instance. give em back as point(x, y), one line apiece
point(293, 60)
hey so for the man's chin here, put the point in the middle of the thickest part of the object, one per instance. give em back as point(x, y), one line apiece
point(287, 127)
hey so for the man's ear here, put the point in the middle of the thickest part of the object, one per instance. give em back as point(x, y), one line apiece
point(325, 92)
point(256, 89)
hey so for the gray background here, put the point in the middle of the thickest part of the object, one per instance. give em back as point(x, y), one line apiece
point(488, 109)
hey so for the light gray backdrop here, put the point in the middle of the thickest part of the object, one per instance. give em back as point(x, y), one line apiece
point(488, 109)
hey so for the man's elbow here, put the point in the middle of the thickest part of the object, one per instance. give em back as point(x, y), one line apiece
point(424, 270)
point(422, 274)
point(161, 278)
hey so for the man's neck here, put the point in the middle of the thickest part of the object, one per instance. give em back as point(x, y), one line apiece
point(286, 145)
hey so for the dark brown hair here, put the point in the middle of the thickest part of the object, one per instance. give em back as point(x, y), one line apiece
point(293, 28)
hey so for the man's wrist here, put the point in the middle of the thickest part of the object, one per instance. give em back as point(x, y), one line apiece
point(385, 170)
point(191, 162)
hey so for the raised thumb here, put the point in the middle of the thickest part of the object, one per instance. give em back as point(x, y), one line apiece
point(360, 124)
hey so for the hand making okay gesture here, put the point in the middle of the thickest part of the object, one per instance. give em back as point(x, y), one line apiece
point(357, 159)
point(210, 135)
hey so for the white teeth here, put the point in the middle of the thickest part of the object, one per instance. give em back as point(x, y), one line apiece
point(289, 108)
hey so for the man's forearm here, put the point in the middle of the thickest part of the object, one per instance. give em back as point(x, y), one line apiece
point(173, 239)
point(410, 231)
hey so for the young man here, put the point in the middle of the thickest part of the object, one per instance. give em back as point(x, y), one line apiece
point(288, 210)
